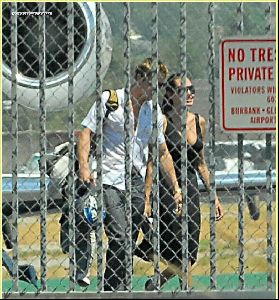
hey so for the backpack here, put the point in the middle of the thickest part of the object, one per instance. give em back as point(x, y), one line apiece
point(57, 164)
point(58, 161)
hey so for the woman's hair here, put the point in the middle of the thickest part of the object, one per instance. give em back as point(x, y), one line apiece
point(170, 87)
point(171, 83)
point(145, 69)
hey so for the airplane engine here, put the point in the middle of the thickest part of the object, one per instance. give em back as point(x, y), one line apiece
point(56, 91)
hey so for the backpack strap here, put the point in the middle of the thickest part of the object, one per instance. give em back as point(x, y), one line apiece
point(198, 128)
point(111, 105)
point(112, 102)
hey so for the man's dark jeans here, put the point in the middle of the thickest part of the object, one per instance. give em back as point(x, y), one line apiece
point(83, 245)
point(115, 205)
point(115, 226)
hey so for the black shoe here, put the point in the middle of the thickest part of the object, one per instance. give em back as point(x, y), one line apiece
point(28, 273)
point(253, 208)
point(149, 285)
point(84, 282)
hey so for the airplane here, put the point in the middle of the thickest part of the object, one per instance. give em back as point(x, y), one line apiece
point(56, 83)
point(29, 190)
point(56, 89)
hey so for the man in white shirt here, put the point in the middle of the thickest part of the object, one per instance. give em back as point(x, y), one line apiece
point(114, 163)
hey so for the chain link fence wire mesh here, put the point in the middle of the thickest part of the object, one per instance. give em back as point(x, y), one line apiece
point(235, 254)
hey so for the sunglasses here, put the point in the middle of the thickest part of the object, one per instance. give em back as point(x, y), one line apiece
point(180, 90)
point(191, 89)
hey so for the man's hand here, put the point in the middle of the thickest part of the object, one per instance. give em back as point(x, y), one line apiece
point(83, 156)
point(147, 209)
point(85, 175)
point(219, 209)
point(178, 201)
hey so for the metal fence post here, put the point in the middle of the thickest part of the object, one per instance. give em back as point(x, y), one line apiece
point(155, 148)
point(128, 144)
point(184, 157)
point(43, 199)
point(14, 64)
point(212, 123)
point(71, 176)
point(99, 150)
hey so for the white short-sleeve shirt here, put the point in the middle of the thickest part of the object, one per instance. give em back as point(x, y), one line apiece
point(114, 137)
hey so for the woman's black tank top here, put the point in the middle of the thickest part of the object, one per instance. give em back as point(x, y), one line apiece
point(173, 140)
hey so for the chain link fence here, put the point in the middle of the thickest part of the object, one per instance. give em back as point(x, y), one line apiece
point(57, 58)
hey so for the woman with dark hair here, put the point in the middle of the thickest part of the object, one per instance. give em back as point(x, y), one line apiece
point(113, 164)
point(170, 224)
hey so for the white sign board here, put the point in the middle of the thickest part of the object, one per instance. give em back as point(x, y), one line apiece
point(248, 84)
